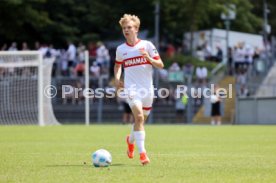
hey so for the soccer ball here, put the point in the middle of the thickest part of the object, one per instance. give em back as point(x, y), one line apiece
point(101, 158)
point(214, 98)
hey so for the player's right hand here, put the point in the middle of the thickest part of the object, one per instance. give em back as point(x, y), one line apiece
point(119, 84)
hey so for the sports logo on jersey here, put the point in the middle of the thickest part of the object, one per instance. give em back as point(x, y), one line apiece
point(134, 61)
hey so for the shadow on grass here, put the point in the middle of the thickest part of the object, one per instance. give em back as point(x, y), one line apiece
point(120, 164)
point(84, 165)
point(89, 165)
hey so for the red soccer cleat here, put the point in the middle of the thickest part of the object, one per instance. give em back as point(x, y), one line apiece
point(144, 158)
point(130, 148)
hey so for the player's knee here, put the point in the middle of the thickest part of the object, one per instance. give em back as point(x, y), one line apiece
point(140, 118)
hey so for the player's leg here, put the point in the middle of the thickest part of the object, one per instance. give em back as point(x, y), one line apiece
point(147, 103)
point(213, 120)
point(218, 120)
point(129, 119)
point(143, 156)
point(130, 139)
point(137, 128)
point(139, 132)
point(146, 114)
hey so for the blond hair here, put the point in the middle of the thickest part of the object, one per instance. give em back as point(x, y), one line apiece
point(128, 17)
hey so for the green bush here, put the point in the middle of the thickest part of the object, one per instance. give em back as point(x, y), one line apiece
point(183, 60)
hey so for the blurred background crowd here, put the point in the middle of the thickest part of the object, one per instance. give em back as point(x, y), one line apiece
point(186, 34)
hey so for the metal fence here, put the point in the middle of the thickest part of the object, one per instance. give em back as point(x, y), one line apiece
point(254, 110)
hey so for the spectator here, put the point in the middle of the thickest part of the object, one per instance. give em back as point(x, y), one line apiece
point(230, 61)
point(4, 47)
point(248, 58)
point(95, 70)
point(188, 70)
point(170, 98)
point(197, 99)
point(81, 52)
point(79, 69)
point(170, 52)
point(13, 47)
point(180, 105)
point(179, 50)
point(257, 53)
point(43, 49)
point(174, 67)
point(92, 51)
point(64, 63)
point(216, 107)
point(219, 56)
point(71, 52)
point(25, 46)
point(241, 78)
point(163, 74)
point(51, 52)
point(69, 96)
point(102, 56)
point(80, 96)
point(207, 51)
point(239, 57)
point(248, 55)
point(37, 45)
point(243, 91)
point(2, 72)
point(200, 54)
point(201, 74)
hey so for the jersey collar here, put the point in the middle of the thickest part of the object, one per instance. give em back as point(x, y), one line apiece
point(134, 44)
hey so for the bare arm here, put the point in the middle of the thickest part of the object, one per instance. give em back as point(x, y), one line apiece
point(158, 63)
point(117, 75)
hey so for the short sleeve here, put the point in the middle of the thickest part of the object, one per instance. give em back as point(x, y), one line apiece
point(119, 59)
point(153, 53)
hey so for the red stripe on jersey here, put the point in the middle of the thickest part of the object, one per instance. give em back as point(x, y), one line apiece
point(147, 108)
point(117, 62)
point(156, 57)
point(135, 61)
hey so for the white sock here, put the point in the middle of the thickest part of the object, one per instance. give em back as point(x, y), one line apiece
point(131, 137)
point(140, 140)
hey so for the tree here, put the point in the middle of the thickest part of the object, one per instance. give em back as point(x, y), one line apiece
point(55, 21)
point(259, 11)
point(19, 19)
point(191, 15)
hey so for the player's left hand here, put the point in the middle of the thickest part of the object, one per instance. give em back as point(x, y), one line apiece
point(144, 53)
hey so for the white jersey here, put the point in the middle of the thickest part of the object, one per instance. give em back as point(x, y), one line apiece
point(138, 70)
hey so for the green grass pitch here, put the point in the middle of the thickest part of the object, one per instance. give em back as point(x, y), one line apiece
point(178, 154)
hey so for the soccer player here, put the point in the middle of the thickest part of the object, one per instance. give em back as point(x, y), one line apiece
point(138, 58)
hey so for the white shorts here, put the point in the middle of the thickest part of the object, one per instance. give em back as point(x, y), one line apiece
point(143, 99)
